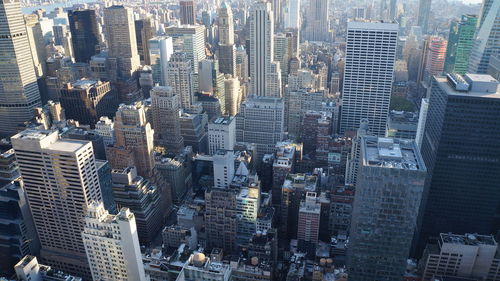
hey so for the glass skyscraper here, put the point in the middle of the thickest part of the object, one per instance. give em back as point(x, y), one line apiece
point(460, 43)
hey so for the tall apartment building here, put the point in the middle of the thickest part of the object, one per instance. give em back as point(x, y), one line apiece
point(486, 41)
point(424, 11)
point(461, 165)
point(133, 140)
point(123, 57)
point(142, 198)
point(180, 78)
point(227, 55)
point(460, 42)
point(60, 178)
point(20, 93)
point(112, 245)
point(187, 12)
point(221, 134)
point(369, 67)
point(144, 31)
point(389, 189)
point(189, 39)
point(317, 23)
point(461, 256)
point(261, 48)
point(309, 218)
point(84, 34)
point(165, 104)
point(260, 121)
point(87, 100)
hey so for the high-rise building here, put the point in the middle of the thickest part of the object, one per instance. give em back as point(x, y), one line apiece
point(123, 57)
point(221, 218)
point(292, 14)
point(60, 178)
point(424, 12)
point(180, 78)
point(143, 33)
point(187, 11)
point(165, 105)
point(227, 56)
point(84, 34)
point(106, 129)
point(37, 43)
point(112, 245)
point(223, 168)
point(458, 149)
point(486, 42)
point(241, 64)
point(221, 134)
point(434, 57)
point(133, 140)
point(317, 23)
point(389, 189)
point(309, 217)
point(143, 199)
point(260, 121)
point(160, 49)
point(189, 39)
point(20, 93)
point(369, 72)
point(211, 81)
point(261, 47)
point(460, 41)
point(422, 118)
point(232, 95)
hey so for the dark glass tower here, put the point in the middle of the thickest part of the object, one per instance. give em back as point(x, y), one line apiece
point(461, 150)
point(85, 34)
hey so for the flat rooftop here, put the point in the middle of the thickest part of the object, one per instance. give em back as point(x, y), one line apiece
point(373, 25)
point(468, 239)
point(225, 120)
point(483, 81)
point(391, 153)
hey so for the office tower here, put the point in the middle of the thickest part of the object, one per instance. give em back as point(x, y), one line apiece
point(192, 42)
point(165, 105)
point(122, 45)
point(199, 267)
point(241, 64)
point(389, 189)
point(486, 40)
point(261, 46)
point(160, 49)
point(87, 100)
point(460, 41)
point(221, 134)
point(133, 140)
point(223, 168)
point(232, 95)
point(362, 71)
point(112, 245)
point(221, 218)
point(187, 12)
point(227, 56)
point(211, 81)
point(20, 93)
point(60, 180)
point(193, 130)
point(464, 140)
point(59, 31)
point(142, 198)
point(434, 57)
point(260, 121)
point(424, 12)
point(292, 14)
point(393, 9)
point(309, 217)
point(180, 78)
point(284, 51)
point(476, 257)
point(28, 268)
point(176, 171)
point(106, 129)
point(84, 34)
point(317, 23)
point(106, 183)
point(422, 118)
point(143, 33)
point(37, 44)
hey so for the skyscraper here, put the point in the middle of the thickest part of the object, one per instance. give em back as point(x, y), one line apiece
point(166, 104)
point(180, 78)
point(368, 75)
point(486, 42)
point(459, 149)
point(317, 24)
point(19, 89)
point(434, 57)
point(308, 220)
point(232, 95)
point(37, 43)
point(227, 55)
point(122, 45)
point(84, 34)
point(424, 11)
point(60, 178)
point(292, 14)
point(187, 11)
point(389, 189)
point(143, 32)
point(261, 46)
point(192, 42)
point(160, 49)
point(112, 245)
point(460, 41)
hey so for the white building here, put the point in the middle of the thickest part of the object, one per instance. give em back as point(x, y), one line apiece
point(189, 39)
point(105, 128)
point(180, 78)
point(422, 118)
point(112, 245)
point(232, 95)
point(368, 74)
point(60, 178)
point(160, 50)
point(221, 134)
point(223, 168)
point(165, 104)
point(292, 14)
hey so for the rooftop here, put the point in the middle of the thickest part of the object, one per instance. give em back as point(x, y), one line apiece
point(473, 85)
point(391, 153)
point(467, 239)
point(225, 120)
